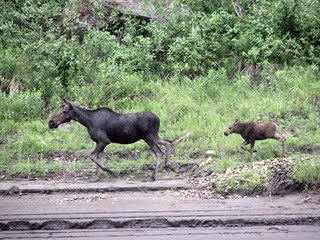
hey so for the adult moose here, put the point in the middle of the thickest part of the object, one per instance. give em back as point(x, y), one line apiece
point(252, 131)
point(106, 126)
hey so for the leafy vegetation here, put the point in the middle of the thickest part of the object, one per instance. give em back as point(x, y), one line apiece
point(205, 64)
point(307, 172)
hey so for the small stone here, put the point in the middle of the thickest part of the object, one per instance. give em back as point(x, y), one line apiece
point(210, 152)
point(209, 160)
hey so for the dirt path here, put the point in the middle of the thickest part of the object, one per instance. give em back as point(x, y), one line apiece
point(122, 214)
point(76, 186)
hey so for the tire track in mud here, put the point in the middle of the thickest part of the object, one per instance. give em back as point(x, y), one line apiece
point(85, 221)
point(274, 232)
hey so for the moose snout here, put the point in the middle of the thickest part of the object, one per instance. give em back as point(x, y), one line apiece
point(52, 124)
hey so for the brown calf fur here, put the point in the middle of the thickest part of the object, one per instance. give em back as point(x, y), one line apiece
point(252, 131)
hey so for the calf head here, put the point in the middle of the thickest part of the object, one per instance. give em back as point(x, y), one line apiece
point(64, 116)
point(233, 128)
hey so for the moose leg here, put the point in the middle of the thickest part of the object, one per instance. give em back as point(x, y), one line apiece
point(157, 151)
point(95, 157)
point(168, 147)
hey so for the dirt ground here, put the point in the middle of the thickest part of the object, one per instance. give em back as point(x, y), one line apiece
point(164, 209)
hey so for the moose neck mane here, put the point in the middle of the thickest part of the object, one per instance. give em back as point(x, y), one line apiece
point(82, 116)
point(245, 127)
point(241, 127)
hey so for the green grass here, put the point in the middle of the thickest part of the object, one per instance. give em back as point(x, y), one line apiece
point(247, 183)
point(203, 107)
point(307, 171)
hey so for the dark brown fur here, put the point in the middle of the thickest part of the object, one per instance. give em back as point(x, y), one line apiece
point(106, 126)
point(252, 131)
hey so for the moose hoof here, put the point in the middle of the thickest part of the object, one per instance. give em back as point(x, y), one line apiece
point(169, 167)
point(94, 179)
point(111, 173)
point(152, 179)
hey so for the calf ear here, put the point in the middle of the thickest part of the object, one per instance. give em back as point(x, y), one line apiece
point(65, 101)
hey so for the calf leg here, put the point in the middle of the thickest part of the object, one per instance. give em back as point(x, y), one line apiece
point(95, 157)
point(243, 146)
point(251, 148)
point(282, 140)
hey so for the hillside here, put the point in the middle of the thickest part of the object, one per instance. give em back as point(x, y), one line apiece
point(198, 65)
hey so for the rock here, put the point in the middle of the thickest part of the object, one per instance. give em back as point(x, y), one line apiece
point(209, 160)
point(210, 152)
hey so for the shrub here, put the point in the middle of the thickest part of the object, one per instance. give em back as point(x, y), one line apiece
point(249, 182)
point(25, 106)
point(307, 171)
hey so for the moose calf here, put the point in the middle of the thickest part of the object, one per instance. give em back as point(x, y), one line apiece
point(252, 131)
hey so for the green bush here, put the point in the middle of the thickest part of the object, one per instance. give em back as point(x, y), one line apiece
point(307, 171)
point(8, 65)
point(247, 183)
point(112, 88)
point(24, 106)
point(59, 54)
point(202, 43)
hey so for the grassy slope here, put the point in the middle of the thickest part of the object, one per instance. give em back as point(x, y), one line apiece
point(204, 108)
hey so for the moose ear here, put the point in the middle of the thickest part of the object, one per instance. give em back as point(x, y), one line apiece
point(66, 101)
